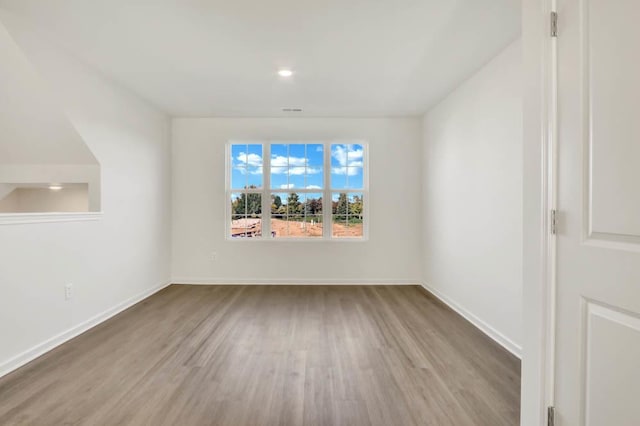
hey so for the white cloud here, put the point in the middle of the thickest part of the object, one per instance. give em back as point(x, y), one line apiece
point(296, 170)
point(351, 171)
point(282, 161)
point(291, 186)
point(295, 166)
point(252, 160)
point(347, 156)
point(253, 171)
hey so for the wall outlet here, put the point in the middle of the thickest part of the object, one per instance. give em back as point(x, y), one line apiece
point(214, 256)
point(68, 291)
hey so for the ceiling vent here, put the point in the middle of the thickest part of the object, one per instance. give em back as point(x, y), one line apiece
point(291, 109)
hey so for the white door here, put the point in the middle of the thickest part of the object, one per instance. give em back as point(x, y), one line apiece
point(598, 242)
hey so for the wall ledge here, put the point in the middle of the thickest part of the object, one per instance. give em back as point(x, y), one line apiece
point(27, 218)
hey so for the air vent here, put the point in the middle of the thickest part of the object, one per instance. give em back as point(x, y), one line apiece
point(291, 109)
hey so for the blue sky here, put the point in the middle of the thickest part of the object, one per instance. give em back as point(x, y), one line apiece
point(347, 161)
point(297, 166)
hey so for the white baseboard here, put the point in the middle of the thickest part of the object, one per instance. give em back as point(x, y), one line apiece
point(262, 281)
point(500, 338)
point(44, 347)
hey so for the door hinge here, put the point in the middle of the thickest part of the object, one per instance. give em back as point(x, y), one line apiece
point(554, 24)
point(551, 416)
point(554, 222)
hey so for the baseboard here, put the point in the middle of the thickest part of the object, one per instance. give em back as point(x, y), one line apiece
point(262, 281)
point(494, 334)
point(29, 355)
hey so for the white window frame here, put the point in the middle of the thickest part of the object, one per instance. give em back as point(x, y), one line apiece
point(326, 192)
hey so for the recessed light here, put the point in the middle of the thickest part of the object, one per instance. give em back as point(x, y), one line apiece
point(285, 73)
point(55, 187)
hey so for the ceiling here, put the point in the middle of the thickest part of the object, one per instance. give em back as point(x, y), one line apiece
point(220, 57)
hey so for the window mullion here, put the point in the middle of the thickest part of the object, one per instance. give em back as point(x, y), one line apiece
point(266, 190)
point(326, 197)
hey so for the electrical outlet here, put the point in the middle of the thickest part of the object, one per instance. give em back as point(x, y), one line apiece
point(68, 291)
point(214, 256)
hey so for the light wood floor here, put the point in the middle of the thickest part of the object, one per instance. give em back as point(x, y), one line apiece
point(272, 355)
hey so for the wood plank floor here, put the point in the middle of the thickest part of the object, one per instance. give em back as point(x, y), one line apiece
point(272, 355)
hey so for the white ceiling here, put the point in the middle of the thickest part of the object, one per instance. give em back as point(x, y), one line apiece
point(220, 57)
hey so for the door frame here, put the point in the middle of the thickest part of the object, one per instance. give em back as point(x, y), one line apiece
point(539, 199)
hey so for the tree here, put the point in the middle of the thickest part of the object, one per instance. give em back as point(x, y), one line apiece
point(276, 200)
point(314, 206)
point(293, 201)
point(247, 203)
point(341, 208)
point(355, 207)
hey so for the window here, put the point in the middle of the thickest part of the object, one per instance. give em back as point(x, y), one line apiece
point(285, 191)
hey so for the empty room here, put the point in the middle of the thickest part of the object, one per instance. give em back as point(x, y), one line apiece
point(282, 212)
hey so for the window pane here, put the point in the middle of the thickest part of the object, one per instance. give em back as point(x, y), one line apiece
point(246, 227)
point(279, 228)
point(238, 177)
point(254, 204)
point(294, 203)
point(313, 204)
point(314, 178)
point(238, 226)
point(347, 163)
point(238, 205)
point(300, 226)
point(279, 205)
point(254, 156)
point(297, 166)
point(296, 226)
point(296, 180)
point(338, 177)
point(246, 166)
point(339, 206)
point(296, 155)
point(279, 155)
point(338, 155)
point(347, 215)
point(355, 209)
point(315, 154)
point(238, 157)
point(355, 155)
point(355, 178)
point(314, 226)
point(254, 177)
point(246, 204)
point(279, 178)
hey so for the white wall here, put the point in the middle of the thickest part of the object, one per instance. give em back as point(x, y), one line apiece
point(472, 198)
point(10, 203)
point(110, 261)
point(390, 255)
point(33, 129)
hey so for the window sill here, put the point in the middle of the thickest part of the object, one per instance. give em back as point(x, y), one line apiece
point(27, 218)
point(299, 240)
